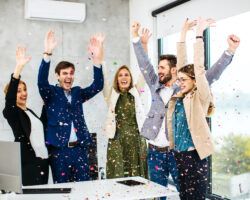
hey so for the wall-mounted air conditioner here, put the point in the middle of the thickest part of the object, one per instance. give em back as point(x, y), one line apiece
point(55, 11)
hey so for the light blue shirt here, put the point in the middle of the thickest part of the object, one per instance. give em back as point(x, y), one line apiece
point(72, 137)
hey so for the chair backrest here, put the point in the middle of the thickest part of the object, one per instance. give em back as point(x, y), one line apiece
point(93, 160)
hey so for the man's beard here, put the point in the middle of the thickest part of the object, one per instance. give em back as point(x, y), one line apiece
point(165, 78)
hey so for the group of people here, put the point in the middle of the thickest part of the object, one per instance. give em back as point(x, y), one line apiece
point(173, 138)
point(179, 139)
point(67, 139)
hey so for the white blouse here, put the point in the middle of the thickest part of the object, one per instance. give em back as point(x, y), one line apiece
point(37, 136)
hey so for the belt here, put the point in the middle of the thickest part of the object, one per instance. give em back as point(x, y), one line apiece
point(72, 144)
point(161, 149)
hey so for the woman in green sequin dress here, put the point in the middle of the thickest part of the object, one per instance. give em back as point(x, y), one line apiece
point(126, 154)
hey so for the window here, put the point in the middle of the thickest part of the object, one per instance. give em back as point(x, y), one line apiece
point(230, 123)
point(169, 45)
point(230, 163)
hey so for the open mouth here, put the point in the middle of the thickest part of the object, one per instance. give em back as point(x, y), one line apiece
point(161, 76)
point(124, 82)
point(67, 83)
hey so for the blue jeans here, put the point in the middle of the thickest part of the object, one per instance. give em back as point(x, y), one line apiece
point(160, 165)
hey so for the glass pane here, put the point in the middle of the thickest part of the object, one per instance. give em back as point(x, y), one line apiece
point(230, 123)
point(169, 45)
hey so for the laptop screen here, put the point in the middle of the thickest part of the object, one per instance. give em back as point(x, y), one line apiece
point(10, 167)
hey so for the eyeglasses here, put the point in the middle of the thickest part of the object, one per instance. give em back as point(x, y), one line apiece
point(182, 80)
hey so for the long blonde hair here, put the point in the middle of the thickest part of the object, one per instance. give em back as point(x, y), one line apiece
point(5, 90)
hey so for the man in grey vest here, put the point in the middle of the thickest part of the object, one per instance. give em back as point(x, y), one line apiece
point(162, 86)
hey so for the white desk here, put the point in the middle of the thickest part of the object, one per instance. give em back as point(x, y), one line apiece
point(100, 189)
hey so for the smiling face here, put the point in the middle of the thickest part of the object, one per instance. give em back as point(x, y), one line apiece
point(164, 72)
point(21, 95)
point(186, 83)
point(167, 68)
point(124, 79)
point(66, 78)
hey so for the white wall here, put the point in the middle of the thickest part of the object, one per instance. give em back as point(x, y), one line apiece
point(170, 21)
point(110, 17)
point(140, 10)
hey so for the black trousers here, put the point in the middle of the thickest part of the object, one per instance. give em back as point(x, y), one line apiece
point(35, 172)
point(193, 175)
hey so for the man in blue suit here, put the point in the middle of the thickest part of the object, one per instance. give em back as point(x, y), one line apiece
point(67, 135)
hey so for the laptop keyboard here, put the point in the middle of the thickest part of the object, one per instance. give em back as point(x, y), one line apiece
point(46, 190)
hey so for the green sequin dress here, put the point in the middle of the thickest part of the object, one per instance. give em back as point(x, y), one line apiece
point(126, 155)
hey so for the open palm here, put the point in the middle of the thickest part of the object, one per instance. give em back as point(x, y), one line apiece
point(145, 35)
point(203, 24)
point(50, 41)
point(21, 57)
point(95, 48)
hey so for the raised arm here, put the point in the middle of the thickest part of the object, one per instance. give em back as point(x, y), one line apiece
point(145, 36)
point(140, 83)
point(199, 68)
point(145, 66)
point(95, 87)
point(45, 89)
point(96, 54)
point(21, 60)
point(107, 88)
point(11, 94)
point(181, 45)
point(221, 64)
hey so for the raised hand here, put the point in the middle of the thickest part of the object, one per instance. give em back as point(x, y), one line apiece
point(100, 37)
point(144, 38)
point(135, 29)
point(50, 42)
point(145, 35)
point(233, 43)
point(21, 60)
point(203, 24)
point(95, 48)
point(188, 25)
point(21, 57)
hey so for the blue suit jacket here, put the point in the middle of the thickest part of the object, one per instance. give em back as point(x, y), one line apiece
point(61, 113)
